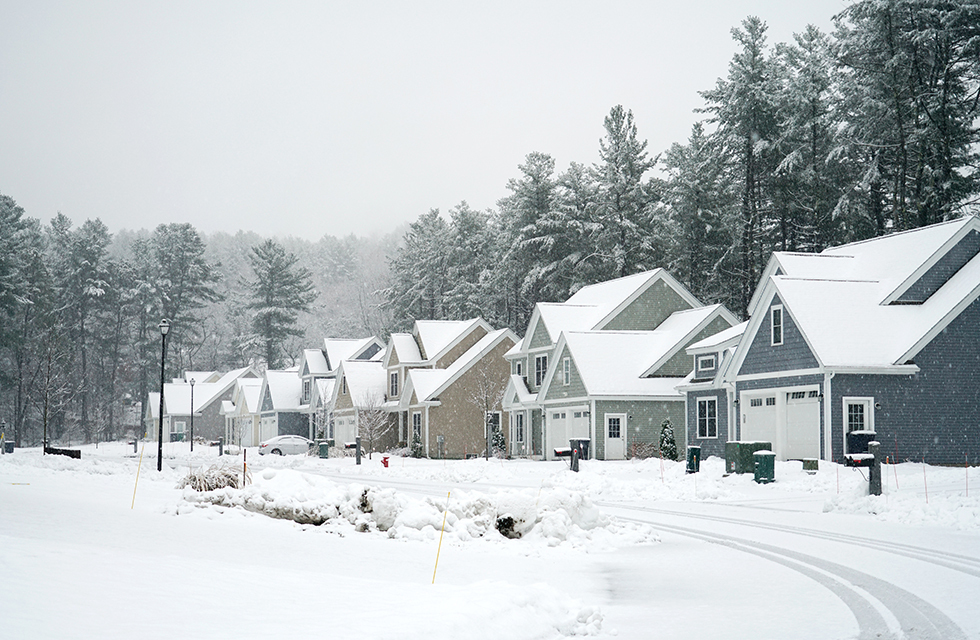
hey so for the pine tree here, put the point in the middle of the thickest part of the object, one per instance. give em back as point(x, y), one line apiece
point(280, 291)
point(668, 446)
point(416, 448)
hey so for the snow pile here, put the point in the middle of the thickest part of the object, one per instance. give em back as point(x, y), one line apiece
point(550, 516)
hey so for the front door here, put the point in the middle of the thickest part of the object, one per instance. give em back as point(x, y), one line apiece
point(615, 436)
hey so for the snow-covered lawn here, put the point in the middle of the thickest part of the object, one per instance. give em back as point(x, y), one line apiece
point(634, 549)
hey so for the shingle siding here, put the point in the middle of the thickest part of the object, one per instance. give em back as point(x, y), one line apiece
point(558, 390)
point(649, 310)
point(792, 355)
point(933, 415)
point(293, 424)
point(944, 269)
point(709, 446)
point(643, 424)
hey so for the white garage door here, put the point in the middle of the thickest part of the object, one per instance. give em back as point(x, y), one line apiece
point(759, 419)
point(802, 425)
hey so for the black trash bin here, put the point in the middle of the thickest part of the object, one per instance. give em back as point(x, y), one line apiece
point(857, 441)
point(8, 447)
point(693, 459)
point(582, 444)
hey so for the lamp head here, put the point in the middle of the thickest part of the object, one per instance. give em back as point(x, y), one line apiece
point(164, 327)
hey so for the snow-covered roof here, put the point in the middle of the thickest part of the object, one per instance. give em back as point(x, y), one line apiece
point(153, 404)
point(337, 350)
point(201, 376)
point(324, 389)
point(227, 408)
point(436, 336)
point(405, 346)
point(316, 362)
point(426, 384)
point(366, 381)
point(285, 388)
point(843, 310)
point(612, 363)
point(722, 339)
point(516, 396)
point(177, 395)
point(247, 393)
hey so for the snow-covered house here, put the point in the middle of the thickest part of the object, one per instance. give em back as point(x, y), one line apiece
point(432, 344)
point(280, 405)
point(450, 408)
point(616, 388)
point(880, 335)
point(208, 395)
point(359, 388)
point(242, 414)
point(639, 302)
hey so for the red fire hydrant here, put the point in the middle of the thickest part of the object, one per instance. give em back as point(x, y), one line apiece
point(384, 461)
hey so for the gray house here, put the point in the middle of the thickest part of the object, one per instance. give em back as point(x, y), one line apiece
point(881, 335)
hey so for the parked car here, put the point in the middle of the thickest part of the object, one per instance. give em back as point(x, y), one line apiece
point(282, 445)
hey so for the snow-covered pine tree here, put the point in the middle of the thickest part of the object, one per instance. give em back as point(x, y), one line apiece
point(416, 448)
point(668, 446)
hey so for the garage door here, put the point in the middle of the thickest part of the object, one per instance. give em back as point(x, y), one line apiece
point(759, 419)
point(802, 425)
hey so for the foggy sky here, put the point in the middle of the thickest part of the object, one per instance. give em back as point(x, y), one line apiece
point(313, 118)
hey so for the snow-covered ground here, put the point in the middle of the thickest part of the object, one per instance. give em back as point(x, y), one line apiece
point(634, 549)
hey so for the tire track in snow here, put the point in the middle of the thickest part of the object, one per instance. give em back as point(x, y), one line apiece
point(862, 593)
point(957, 562)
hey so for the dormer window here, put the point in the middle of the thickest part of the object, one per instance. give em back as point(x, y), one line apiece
point(519, 368)
point(776, 317)
point(706, 363)
point(394, 385)
point(540, 369)
point(306, 391)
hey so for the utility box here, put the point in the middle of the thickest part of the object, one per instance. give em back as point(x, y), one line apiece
point(693, 459)
point(324, 449)
point(738, 455)
point(765, 466)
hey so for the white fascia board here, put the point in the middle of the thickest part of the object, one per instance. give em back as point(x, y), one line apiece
point(972, 225)
point(659, 398)
point(884, 370)
point(780, 374)
point(476, 322)
point(558, 401)
point(771, 267)
point(940, 326)
point(506, 333)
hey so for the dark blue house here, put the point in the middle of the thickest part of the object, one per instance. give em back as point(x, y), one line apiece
point(881, 335)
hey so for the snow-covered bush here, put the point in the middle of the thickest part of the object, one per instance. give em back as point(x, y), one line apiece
point(214, 477)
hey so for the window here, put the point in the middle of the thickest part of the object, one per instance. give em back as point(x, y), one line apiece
point(343, 386)
point(540, 368)
point(519, 427)
point(797, 395)
point(180, 426)
point(755, 402)
point(614, 426)
point(706, 363)
point(417, 425)
point(394, 385)
point(771, 401)
point(777, 325)
point(519, 367)
point(707, 417)
point(859, 414)
point(577, 414)
point(566, 371)
point(306, 391)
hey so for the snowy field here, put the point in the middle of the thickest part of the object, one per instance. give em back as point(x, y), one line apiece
point(634, 549)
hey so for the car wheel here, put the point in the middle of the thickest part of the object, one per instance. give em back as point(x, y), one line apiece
point(276, 452)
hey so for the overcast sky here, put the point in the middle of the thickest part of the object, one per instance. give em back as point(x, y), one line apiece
point(313, 118)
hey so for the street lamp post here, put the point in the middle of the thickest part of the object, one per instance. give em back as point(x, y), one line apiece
point(192, 415)
point(164, 330)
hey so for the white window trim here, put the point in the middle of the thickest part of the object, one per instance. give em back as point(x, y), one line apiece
point(393, 384)
point(520, 426)
point(622, 424)
point(566, 371)
point(419, 414)
point(701, 363)
point(772, 325)
point(869, 413)
point(540, 373)
point(697, 417)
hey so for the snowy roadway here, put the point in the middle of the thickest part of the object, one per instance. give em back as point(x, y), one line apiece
point(703, 556)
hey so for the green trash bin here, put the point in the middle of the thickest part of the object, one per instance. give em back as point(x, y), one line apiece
point(693, 459)
point(324, 449)
point(765, 466)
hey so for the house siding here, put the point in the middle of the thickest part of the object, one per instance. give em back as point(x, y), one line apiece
point(679, 365)
point(540, 337)
point(575, 387)
point(944, 269)
point(642, 424)
point(464, 345)
point(709, 446)
point(649, 310)
point(293, 424)
point(702, 374)
point(934, 415)
point(793, 354)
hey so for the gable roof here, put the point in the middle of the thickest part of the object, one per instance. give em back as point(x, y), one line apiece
point(613, 363)
point(436, 337)
point(682, 326)
point(427, 384)
point(177, 395)
point(594, 306)
point(404, 345)
point(516, 395)
point(366, 382)
point(313, 362)
point(284, 388)
point(336, 350)
point(842, 313)
point(730, 337)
